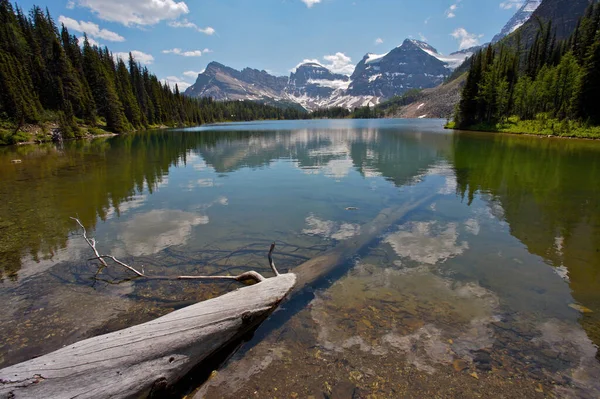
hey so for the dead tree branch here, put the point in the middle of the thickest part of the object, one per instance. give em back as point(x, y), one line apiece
point(246, 276)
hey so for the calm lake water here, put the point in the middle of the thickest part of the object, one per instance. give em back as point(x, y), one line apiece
point(491, 286)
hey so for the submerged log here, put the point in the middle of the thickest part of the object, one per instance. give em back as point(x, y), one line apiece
point(142, 359)
point(324, 264)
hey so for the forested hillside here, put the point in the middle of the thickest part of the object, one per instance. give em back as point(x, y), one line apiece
point(553, 88)
point(46, 76)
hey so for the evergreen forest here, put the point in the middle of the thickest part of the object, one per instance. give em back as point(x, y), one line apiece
point(46, 75)
point(552, 88)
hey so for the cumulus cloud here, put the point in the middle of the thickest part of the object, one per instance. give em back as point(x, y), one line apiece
point(336, 63)
point(450, 11)
point(139, 56)
point(91, 29)
point(136, 12)
point(310, 3)
point(190, 25)
point(379, 41)
point(465, 39)
point(508, 4)
point(92, 42)
point(174, 80)
point(178, 51)
point(193, 74)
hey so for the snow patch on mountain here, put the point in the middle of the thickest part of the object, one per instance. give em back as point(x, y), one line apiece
point(520, 17)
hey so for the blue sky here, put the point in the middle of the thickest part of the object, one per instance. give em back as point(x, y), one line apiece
point(178, 38)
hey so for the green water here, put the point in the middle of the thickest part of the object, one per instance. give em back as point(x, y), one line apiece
point(497, 274)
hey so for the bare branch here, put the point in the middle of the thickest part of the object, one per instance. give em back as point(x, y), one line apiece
point(250, 275)
point(271, 263)
point(91, 243)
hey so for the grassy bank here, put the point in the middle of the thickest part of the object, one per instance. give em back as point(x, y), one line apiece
point(11, 134)
point(541, 126)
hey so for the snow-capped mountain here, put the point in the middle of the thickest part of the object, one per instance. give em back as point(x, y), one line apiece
point(518, 19)
point(414, 64)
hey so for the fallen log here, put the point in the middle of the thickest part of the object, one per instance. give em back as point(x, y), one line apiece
point(143, 359)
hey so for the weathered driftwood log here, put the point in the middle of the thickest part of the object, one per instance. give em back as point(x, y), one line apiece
point(141, 359)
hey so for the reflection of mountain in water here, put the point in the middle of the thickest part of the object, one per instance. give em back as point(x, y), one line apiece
point(397, 156)
point(550, 205)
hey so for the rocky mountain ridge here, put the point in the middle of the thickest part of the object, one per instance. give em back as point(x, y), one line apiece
point(413, 64)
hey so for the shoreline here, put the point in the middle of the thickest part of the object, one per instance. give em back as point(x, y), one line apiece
point(541, 134)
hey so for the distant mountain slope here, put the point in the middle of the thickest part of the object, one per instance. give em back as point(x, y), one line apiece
point(564, 15)
point(414, 64)
point(438, 102)
point(224, 83)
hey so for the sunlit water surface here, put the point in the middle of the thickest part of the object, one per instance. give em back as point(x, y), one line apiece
point(490, 287)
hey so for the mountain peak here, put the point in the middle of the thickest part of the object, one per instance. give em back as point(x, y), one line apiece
point(520, 17)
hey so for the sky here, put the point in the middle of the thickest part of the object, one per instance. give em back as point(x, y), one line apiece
point(176, 39)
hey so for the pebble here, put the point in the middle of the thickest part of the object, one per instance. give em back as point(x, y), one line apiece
point(459, 365)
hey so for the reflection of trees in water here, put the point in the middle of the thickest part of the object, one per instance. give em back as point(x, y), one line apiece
point(86, 178)
point(548, 190)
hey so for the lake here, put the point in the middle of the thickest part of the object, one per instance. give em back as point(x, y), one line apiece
point(490, 285)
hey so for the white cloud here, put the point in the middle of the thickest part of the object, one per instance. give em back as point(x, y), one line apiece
point(91, 41)
point(91, 29)
point(184, 23)
point(422, 37)
point(450, 11)
point(178, 51)
point(193, 74)
point(136, 12)
point(139, 56)
point(174, 80)
point(378, 41)
point(310, 3)
point(70, 5)
point(206, 51)
point(508, 4)
point(336, 63)
point(465, 39)
point(339, 63)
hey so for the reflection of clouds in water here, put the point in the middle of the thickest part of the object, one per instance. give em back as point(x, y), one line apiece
point(134, 202)
point(338, 168)
point(423, 347)
point(449, 186)
point(202, 183)
point(330, 229)
point(431, 302)
point(164, 182)
point(427, 242)
point(201, 165)
point(472, 226)
point(76, 250)
point(151, 232)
